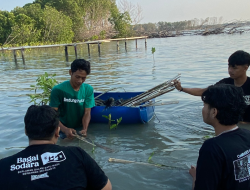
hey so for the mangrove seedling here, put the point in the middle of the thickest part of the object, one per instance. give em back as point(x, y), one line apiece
point(150, 157)
point(45, 83)
point(153, 51)
point(112, 126)
point(93, 150)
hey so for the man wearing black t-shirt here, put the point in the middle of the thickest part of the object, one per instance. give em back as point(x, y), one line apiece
point(224, 160)
point(238, 64)
point(44, 165)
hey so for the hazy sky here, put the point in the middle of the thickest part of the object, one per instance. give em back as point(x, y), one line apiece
point(176, 10)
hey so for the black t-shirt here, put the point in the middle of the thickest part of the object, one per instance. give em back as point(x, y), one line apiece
point(223, 162)
point(51, 167)
point(246, 89)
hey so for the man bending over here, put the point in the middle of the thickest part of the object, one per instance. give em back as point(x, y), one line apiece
point(74, 100)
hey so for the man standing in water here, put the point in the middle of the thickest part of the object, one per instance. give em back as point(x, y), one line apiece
point(238, 64)
point(224, 160)
point(45, 165)
point(74, 100)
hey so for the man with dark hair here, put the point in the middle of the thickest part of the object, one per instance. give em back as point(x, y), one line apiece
point(238, 64)
point(224, 160)
point(74, 100)
point(44, 165)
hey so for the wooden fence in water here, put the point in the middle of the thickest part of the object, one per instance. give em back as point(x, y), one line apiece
point(98, 42)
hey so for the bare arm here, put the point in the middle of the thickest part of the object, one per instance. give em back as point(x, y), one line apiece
point(108, 186)
point(192, 91)
point(85, 120)
point(192, 172)
point(68, 131)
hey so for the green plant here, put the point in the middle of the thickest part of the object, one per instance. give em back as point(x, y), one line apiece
point(44, 83)
point(112, 126)
point(93, 150)
point(95, 37)
point(150, 157)
point(102, 34)
point(153, 51)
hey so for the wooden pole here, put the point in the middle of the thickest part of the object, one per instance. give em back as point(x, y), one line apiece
point(15, 59)
point(66, 53)
point(136, 43)
point(99, 48)
point(126, 44)
point(88, 49)
point(22, 51)
point(75, 50)
point(145, 42)
point(117, 45)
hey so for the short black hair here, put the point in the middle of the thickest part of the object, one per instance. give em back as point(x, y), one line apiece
point(228, 100)
point(80, 64)
point(41, 122)
point(239, 57)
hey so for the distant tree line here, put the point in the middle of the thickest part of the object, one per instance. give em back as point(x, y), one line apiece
point(177, 26)
point(62, 21)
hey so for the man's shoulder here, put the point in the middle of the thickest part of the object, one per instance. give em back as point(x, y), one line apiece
point(87, 86)
point(244, 132)
point(226, 81)
point(61, 85)
point(248, 81)
point(9, 159)
point(209, 143)
point(214, 143)
point(225, 139)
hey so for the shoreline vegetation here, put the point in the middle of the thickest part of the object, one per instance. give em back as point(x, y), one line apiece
point(50, 22)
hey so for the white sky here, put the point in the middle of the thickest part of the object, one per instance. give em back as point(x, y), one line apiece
point(175, 10)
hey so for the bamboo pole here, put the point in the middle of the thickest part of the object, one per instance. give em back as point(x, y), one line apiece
point(75, 50)
point(159, 104)
point(159, 89)
point(99, 49)
point(72, 44)
point(66, 53)
point(22, 51)
point(15, 59)
point(128, 162)
point(126, 45)
point(88, 49)
point(117, 45)
point(83, 139)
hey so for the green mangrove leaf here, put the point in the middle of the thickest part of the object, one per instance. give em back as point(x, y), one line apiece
point(153, 50)
point(105, 116)
point(113, 126)
point(119, 120)
point(151, 155)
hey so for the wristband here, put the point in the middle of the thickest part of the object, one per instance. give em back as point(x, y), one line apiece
point(181, 89)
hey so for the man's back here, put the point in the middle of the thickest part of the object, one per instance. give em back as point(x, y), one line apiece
point(223, 162)
point(51, 167)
